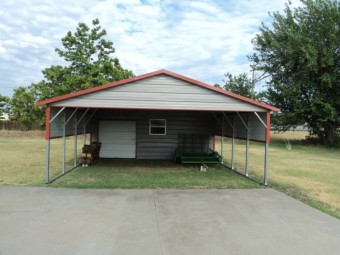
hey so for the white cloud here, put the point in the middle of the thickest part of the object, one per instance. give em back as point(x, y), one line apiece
point(202, 39)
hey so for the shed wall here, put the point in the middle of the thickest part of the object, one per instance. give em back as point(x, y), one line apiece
point(162, 146)
point(159, 92)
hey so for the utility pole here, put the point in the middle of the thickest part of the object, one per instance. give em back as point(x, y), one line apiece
point(252, 66)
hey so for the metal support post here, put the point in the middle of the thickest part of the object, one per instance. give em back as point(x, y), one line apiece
point(64, 144)
point(246, 125)
point(47, 173)
point(231, 123)
point(233, 147)
point(75, 142)
point(247, 148)
point(84, 131)
point(222, 142)
point(265, 179)
point(83, 117)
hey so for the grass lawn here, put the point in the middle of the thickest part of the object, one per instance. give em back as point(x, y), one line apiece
point(310, 173)
point(152, 174)
point(22, 161)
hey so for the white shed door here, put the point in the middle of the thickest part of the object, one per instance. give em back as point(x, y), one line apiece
point(118, 139)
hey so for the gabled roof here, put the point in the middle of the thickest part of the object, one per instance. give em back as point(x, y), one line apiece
point(151, 74)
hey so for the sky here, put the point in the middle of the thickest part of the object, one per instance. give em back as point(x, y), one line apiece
point(201, 39)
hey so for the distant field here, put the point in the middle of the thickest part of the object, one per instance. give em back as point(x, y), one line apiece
point(310, 173)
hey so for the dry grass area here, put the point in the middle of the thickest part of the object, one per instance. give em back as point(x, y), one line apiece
point(26, 134)
point(310, 173)
point(17, 154)
point(22, 157)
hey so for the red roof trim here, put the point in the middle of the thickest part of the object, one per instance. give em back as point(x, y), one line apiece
point(147, 75)
point(153, 109)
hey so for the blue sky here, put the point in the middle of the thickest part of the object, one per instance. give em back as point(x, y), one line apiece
point(202, 39)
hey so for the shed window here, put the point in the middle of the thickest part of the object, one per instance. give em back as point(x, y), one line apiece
point(157, 127)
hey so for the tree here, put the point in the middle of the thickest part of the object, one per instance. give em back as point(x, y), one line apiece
point(240, 84)
point(4, 105)
point(90, 63)
point(24, 109)
point(301, 53)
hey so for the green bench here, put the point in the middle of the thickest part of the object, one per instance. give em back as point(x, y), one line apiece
point(195, 149)
point(211, 157)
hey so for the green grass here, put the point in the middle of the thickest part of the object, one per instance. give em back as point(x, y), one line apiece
point(22, 161)
point(128, 174)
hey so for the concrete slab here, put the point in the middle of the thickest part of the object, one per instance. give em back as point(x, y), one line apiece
point(69, 221)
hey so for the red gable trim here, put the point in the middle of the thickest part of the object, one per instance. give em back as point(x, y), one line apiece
point(147, 75)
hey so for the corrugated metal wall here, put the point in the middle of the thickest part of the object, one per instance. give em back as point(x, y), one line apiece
point(257, 131)
point(161, 146)
point(178, 122)
point(56, 129)
point(159, 92)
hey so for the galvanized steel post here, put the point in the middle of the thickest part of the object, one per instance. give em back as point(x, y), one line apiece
point(247, 147)
point(247, 144)
point(222, 142)
point(265, 179)
point(233, 153)
point(233, 147)
point(64, 144)
point(75, 141)
point(47, 173)
point(48, 148)
point(84, 132)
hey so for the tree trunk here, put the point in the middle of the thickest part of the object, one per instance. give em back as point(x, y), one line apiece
point(330, 136)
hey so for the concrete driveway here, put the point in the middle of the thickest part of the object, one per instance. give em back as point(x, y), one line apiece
point(68, 221)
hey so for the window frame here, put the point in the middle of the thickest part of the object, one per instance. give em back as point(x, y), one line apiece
point(157, 126)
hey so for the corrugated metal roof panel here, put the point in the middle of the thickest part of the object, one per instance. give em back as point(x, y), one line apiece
point(164, 74)
point(159, 92)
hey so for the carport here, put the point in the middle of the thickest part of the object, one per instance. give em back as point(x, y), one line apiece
point(144, 116)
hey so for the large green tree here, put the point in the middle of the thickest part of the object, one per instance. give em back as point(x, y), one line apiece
point(90, 63)
point(24, 110)
point(300, 51)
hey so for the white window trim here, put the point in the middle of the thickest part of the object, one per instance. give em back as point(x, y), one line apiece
point(157, 126)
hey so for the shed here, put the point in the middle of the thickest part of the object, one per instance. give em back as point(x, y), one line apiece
point(143, 117)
